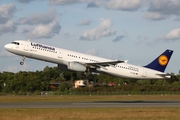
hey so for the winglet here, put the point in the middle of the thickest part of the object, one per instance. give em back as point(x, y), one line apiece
point(161, 61)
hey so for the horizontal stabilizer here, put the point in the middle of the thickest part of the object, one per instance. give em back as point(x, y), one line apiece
point(165, 75)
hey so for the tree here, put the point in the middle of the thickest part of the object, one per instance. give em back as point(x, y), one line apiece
point(63, 87)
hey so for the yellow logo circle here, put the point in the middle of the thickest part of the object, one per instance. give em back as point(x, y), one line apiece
point(163, 60)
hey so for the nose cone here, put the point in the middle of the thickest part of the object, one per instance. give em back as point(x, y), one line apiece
point(7, 47)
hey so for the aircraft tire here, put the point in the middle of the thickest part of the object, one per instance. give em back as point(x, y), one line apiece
point(21, 63)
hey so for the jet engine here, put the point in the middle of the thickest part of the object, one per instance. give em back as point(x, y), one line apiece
point(76, 66)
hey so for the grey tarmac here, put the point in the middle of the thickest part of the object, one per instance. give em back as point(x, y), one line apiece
point(95, 104)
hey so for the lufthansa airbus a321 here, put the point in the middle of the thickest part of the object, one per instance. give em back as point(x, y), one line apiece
point(71, 60)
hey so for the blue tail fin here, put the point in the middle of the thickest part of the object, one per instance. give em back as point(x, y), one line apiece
point(160, 62)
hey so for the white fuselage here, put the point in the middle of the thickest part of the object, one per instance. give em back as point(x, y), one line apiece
point(62, 56)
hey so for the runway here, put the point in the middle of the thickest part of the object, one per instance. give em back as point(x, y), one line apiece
point(95, 104)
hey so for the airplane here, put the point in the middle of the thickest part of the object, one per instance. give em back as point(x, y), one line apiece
point(76, 61)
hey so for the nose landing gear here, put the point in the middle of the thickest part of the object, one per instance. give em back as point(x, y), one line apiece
point(22, 62)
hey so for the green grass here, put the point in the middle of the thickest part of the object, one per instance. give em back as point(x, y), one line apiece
point(91, 114)
point(86, 98)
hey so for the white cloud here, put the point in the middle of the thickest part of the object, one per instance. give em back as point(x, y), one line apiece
point(115, 56)
point(165, 6)
point(93, 52)
point(5, 54)
point(178, 18)
point(17, 68)
point(162, 9)
point(25, 1)
point(127, 5)
point(84, 22)
point(155, 16)
point(65, 2)
point(96, 3)
point(6, 12)
point(40, 18)
point(43, 31)
point(43, 25)
point(173, 35)
point(8, 27)
point(12, 68)
point(102, 30)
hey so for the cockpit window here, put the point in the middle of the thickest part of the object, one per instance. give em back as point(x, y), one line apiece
point(16, 43)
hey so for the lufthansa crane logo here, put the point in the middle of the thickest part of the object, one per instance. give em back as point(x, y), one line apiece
point(163, 60)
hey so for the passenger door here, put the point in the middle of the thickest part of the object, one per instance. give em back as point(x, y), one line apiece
point(26, 46)
point(60, 54)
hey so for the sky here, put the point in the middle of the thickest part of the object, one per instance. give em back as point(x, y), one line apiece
point(133, 30)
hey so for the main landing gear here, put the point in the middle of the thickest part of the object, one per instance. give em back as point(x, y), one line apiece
point(88, 76)
point(22, 62)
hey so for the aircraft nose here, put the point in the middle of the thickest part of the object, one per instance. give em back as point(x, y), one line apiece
point(7, 47)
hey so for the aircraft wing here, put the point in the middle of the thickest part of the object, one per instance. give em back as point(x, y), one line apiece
point(102, 64)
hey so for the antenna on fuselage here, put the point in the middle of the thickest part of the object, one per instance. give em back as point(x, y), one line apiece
point(28, 39)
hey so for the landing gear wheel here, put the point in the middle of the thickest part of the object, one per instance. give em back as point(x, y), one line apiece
point(21, 63)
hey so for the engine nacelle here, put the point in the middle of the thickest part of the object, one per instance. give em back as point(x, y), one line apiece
point(76, 66)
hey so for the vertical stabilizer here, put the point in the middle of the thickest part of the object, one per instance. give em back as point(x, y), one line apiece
point(161, 61)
